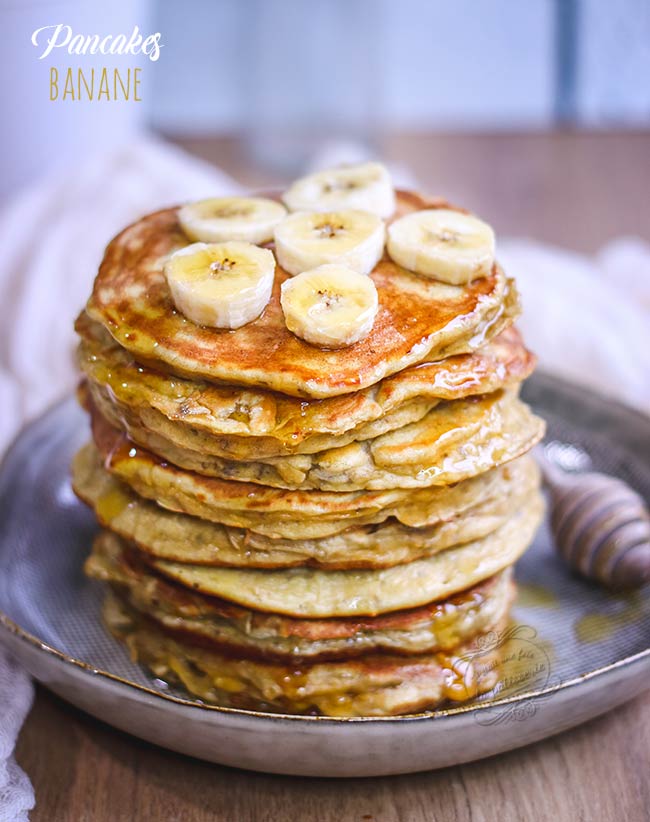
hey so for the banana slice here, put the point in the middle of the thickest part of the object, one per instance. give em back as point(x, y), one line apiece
point(331, 306)
point(246, 219)
point(444, 244)
point(224, 285)
point(367, 187)
point(308, 239)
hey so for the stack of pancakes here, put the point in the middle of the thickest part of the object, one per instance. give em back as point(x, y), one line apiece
point(296, 529)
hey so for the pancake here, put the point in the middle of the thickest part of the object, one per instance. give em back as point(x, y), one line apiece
point(296, 529)
point(454, 441)
point(372, 685)
point(229, 447)
point(217, 624)
point(182, 538)
point(311, 592)
point(249, 424)
point(274, 512)
point(419, 319)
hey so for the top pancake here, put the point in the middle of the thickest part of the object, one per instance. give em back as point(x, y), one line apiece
point(418, 319)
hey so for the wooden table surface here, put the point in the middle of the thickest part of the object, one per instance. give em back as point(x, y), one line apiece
point(576, 190)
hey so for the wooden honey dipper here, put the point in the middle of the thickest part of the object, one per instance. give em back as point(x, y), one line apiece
point(601, 526)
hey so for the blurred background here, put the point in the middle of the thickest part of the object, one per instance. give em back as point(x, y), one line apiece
point(535, 114)
point(265, 88)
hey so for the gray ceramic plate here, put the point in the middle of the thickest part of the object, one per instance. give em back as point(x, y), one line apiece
point(575, 651)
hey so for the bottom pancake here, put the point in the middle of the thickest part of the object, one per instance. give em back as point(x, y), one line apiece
point(232, 629)
point(374, 685)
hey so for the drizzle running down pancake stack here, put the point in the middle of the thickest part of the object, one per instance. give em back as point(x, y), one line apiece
point(310, 500)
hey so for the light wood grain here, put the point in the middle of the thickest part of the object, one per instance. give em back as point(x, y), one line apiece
point(576, 190)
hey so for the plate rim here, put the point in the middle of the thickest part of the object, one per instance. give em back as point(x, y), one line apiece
point(9, 627)
point(91, 672)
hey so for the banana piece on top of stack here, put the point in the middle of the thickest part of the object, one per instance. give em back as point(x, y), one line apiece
point(309, 459)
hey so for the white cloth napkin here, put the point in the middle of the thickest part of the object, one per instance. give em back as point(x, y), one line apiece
point(588, 318)
point(16, 694)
